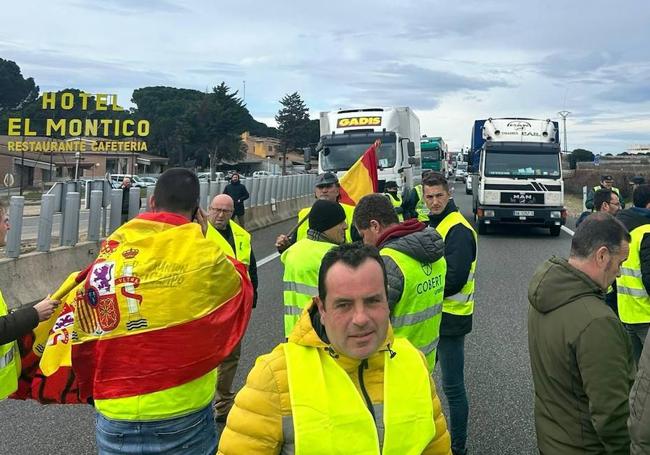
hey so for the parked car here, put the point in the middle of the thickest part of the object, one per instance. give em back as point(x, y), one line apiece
point(136, 181)
point(205, 176)
point(259, 174)
point(149, 181)
point(468, 184)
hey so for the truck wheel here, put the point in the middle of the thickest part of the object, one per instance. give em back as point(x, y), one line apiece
point(555, 230)
point(482, 228)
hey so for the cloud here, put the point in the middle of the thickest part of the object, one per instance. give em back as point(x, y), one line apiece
point(133, 6)
point(218, 68)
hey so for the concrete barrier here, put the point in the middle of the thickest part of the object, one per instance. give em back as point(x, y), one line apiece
point(31, 277)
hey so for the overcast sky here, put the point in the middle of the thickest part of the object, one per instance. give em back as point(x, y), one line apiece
point(452, 62)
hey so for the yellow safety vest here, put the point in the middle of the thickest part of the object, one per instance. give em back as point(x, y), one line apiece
point(421, 207)
point(396, 203)
point(9, 361)
point(633, 299)
point(462, 303)
point(242, 242)
point(614, 190)
point(301, 265)
point(331, 417)
point(418, 313)
point(304, 227)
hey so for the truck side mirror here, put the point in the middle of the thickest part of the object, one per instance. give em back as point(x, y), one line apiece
point(412, 160)
point(411, 149)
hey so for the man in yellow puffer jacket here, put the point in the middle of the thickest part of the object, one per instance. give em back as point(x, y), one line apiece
point(342, 383)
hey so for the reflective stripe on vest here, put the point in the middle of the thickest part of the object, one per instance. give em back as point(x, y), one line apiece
point(331, 416)
point(396, 203)
point(304, 227)
point(241, 238)
point(421, 207)
point(9, 362)
point(462, 303)
point(418, 313)
point(633, 299)
point(301, 264)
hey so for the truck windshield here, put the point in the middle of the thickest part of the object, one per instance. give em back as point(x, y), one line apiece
point(340, 157)
point(430, 155)
point(522, 165)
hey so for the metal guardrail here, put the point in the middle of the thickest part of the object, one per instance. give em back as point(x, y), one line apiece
point(100, 199)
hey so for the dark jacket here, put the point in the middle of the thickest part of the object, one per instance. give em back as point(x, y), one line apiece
point(126, 200)
point(640, 406)
point(409, 202)
point(425, 246)
point(460, 252)
point(632, 218)
point(252, 267)
point(582, 364)
point(238, 192)
point(16, 324)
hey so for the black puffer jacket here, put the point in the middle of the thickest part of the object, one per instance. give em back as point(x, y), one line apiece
point(424, 246)
point(238, 192)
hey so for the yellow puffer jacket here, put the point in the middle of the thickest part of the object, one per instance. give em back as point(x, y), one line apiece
point(260, 422)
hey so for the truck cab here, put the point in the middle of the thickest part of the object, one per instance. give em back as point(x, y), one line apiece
point(346, 134)
point(517, 174)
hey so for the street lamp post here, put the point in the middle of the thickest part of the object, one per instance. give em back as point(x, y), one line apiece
point(564, 115)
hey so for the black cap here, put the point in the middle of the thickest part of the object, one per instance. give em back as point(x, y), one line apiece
point(606, 177)
point(328, 178)
point(325, 215)
point(390, 184)
point(637, 180)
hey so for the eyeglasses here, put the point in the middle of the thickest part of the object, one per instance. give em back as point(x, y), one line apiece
point(224, 211)
point(614, 203)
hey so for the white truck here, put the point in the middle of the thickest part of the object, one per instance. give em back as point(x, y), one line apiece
point(517, 174)
point(347, 133)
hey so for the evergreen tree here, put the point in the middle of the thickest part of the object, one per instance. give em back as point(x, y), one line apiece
point(293, 125)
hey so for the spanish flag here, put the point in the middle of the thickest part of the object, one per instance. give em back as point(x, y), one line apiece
point(159, 307)
point(361, 178)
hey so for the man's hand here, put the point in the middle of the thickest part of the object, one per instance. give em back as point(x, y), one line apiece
point(45, 308)
point(282, 243)
point(202, 219)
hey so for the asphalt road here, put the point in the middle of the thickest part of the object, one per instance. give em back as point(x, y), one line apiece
point(498, 374)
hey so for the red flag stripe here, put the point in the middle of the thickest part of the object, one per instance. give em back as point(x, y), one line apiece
point(153, 361)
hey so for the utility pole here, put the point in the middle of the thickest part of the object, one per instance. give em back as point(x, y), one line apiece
point(564, 115)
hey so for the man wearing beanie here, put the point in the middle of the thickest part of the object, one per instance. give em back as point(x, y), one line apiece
point(327, 189)
point(302, 260)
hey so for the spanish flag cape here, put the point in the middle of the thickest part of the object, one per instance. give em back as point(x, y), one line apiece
point(159, 307)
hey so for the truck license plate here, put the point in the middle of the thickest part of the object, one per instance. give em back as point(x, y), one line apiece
point(524, 213)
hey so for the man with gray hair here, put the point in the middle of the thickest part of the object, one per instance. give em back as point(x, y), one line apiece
point(580, 354)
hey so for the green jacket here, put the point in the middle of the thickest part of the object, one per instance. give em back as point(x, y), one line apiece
point(582, 364)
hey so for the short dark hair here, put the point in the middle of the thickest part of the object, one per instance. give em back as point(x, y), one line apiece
point(597, 230)
point(177, 190)
point(641, 196)
point(352, 255)
point(374, 207)
point(435, 179)
point(600, 197)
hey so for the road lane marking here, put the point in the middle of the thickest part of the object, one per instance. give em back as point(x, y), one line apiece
point(567, 230)
point(267, 259)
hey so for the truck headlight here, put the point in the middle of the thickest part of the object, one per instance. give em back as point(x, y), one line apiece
point(556, 214)
point(491, 197)
point(489, 213)
point(553, 198)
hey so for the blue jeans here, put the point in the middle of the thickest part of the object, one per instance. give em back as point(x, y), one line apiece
point(193, 434)
point(451, 357)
